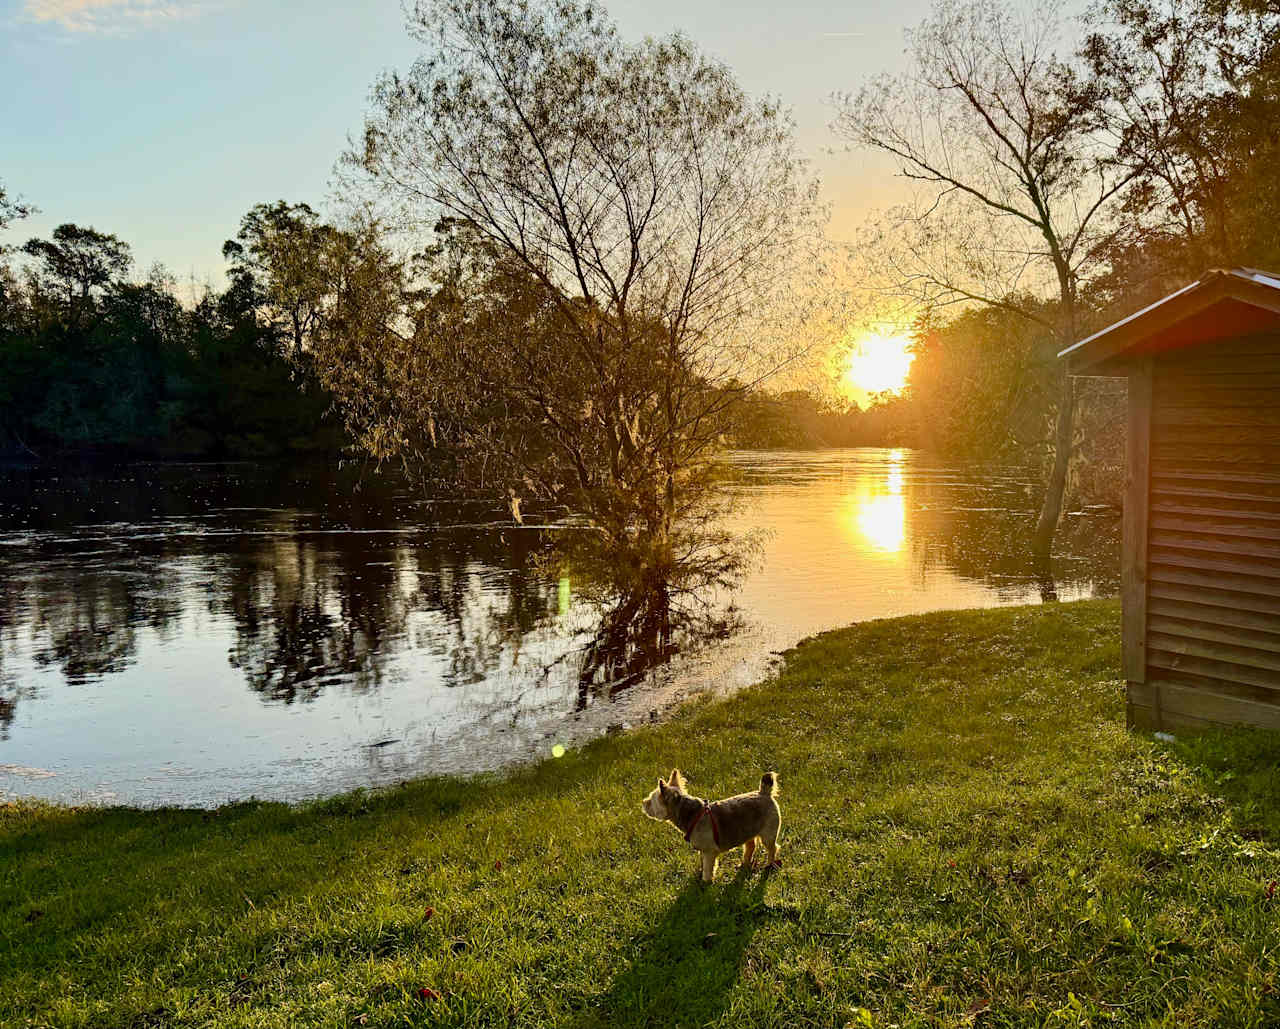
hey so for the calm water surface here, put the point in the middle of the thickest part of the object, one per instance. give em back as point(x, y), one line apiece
point(195, 633)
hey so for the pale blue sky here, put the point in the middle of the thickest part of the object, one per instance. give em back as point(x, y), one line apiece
point(163, 121)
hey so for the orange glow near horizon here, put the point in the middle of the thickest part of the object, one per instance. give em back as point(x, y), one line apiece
point(878, 363)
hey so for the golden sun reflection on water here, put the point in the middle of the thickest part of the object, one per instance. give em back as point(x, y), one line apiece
point(881, 512)
point(882, 520)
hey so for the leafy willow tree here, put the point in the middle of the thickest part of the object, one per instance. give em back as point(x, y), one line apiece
point(1018, 183)
point(623, 230)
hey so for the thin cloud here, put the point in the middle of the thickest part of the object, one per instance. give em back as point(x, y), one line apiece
point(109, 16)
point(843, 35)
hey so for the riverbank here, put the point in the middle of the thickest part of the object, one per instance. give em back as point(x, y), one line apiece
point(970, 835)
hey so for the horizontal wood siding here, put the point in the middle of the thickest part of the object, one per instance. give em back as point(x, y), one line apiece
point(1213, 538)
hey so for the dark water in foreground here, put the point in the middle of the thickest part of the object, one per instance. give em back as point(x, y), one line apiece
point(194, 633)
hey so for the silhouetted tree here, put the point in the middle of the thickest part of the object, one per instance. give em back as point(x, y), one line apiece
point(93, 360)
point(11, 210)
point(1192, 93)
point(78, 261)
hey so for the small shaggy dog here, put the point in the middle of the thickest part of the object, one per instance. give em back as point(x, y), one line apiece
point(723, 824)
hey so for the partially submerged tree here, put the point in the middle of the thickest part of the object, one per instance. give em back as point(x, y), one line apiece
point(623, 228)
point(1018, 183)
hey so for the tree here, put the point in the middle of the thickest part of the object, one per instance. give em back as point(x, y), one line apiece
point(1018, 182)
point(77, 261)
point(90, 360)
point(284, 250)
point(622, 230)
point(979, 383)
point(1191, 91)
point(11, 208)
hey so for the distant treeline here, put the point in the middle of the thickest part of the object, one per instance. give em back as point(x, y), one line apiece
point(801, 420)
point(92, 362)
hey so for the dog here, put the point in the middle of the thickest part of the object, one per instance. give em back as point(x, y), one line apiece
point(720, 826)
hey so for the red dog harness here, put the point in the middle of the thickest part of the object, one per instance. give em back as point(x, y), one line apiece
point(715, 829)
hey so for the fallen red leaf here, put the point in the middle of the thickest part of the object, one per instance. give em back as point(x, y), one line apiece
point(426, 915)
point(1271, 889)
point(427, 993)
point(498, 865)
point(978, 1007)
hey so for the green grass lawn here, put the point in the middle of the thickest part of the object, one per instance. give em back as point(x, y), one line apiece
point(970, 836)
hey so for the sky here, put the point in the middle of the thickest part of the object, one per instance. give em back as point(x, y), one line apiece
point(164, 121)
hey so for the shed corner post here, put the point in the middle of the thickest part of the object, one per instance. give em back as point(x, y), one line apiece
point(1143, 707)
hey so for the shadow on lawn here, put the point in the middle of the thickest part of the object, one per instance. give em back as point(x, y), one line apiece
point(1242, 767)
point(682, 971)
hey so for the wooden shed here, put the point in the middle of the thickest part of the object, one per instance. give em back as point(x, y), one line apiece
point(1200, 570)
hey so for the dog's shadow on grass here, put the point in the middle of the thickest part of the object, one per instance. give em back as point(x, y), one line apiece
point(682, 971)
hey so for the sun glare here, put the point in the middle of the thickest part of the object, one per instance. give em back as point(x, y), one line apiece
point(879, 364)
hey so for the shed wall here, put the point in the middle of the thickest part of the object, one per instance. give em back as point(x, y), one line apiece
point(1212, 568)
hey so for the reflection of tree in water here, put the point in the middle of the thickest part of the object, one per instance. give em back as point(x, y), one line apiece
point(640, 632)
point(633, 637)
point(305, 617)
point(982, 531)
point(314, 600)
point(314, 611)
point(82, 616)
point(474, 631)
point(86, 615)
point(8, 681)
point(654, 595)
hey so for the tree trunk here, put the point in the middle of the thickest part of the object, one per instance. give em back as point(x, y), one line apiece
point(1047, 525)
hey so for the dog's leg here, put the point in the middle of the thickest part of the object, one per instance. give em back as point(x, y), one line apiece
point(708, 866)
point(748, 853)
point(770, 839)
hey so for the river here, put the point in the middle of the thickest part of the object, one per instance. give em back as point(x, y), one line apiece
point(192, 634)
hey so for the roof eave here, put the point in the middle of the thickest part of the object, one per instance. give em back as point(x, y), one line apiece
point(1105, 352)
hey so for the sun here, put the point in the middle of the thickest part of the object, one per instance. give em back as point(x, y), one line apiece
point(879, 363)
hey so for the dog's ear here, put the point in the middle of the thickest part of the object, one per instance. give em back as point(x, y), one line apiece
point(677, 780)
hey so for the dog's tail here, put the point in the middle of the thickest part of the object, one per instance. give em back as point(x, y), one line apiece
point(769, 783)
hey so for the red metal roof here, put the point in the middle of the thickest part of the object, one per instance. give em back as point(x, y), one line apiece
point(1221, 304)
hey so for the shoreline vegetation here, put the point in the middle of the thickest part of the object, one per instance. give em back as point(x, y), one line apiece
point(970, 837)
